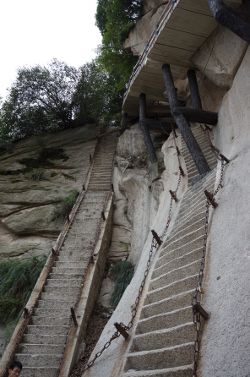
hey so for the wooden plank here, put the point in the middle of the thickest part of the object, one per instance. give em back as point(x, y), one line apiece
point(197, 6)
point(191, 22)
point(179, 38)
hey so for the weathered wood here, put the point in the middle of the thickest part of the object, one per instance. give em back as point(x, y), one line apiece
point(196, 115)
point(194, 89)
point(231, 18)
point(183, 124)
point(143, 124)
point(156, 237)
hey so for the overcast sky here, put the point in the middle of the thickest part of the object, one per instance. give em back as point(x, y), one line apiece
point(36, 31)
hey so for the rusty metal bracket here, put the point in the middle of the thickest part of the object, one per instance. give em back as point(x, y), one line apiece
point(122, 330)
point(156, 237)
point(199, 309)
point(103, 216)
point(173, 195)
point(73, 316)
point(181, 171)
point(210, 198)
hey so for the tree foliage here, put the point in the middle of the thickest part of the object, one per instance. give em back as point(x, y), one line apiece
point(115, 18)
point(45, 99)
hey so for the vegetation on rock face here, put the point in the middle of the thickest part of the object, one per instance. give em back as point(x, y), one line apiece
point(17, 279)
point(122, 273)
point(69, 202)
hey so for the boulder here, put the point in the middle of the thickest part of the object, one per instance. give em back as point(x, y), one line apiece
point(220, 57)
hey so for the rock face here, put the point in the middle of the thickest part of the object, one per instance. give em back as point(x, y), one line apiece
point(39, 180)
point(140, 34)
point(136, 197)
point(220, 57)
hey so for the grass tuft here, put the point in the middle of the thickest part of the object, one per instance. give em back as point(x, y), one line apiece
point(17, 280)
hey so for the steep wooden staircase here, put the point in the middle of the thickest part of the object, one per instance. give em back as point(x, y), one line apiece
point(42, 347)
point(164, 338)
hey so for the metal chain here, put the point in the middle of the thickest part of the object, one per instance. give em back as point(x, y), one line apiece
point(199, 289)
point(153, 249)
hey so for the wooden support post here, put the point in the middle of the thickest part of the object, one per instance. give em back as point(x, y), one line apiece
point(194, 90)
point(103, 216)
point(156, 237)
point(231, 18)
point(199, 309)
point(183, 125)
point(210, 198)
point(181, 171)
point(196, 115)
point(73, 315)
point(143, 124)
point(122, 330)
point(90, 158)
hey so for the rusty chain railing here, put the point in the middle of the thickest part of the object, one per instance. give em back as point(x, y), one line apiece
point(198, 311)
point(155, 245)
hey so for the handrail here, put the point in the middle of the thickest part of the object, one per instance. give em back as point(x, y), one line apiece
point(25, 317)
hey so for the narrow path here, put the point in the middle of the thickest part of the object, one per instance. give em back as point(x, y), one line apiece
point(42, 346)
point(163, 343)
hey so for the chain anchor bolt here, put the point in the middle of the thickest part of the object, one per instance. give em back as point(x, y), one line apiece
point(197, 308)
point(210, 198)
point(156, 237)
point(181, 171)
point(173, 195)
point(121, 329)
point(73, 316)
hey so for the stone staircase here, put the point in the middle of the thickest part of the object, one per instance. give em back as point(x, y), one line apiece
point(163, 343)
point(42, 347)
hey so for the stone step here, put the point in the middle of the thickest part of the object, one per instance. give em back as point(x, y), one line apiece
point(71, 264)
point(174, 302)
point(67, 298)
point(68, 271)
point(64, 283)
point(183, 371)
point(52, 312)
point(52, 304)
point(47, 330)
point(39, 349)
point(173, 276)
point(44, 320)
point(171, 289)
point(164, 338)
point(68, 276)
point(174, 263)
point(45, 360)
point(178, 241)
point(180, 251)
point(165, 321)
point(187, 228)
point(40, 372)
point(184, 220)
point(164, 358)
point(44, 339)
point(62, 291)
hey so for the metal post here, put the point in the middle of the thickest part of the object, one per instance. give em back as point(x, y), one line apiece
point(194, 90)
point(183, 124)
point(143, 124)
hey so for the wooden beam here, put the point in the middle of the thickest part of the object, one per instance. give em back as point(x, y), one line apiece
point(194, 115)
point(194, 89)
point(143, 124)
point(183, 124)
point(231, 18)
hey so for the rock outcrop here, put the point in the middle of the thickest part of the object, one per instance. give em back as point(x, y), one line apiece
point(39, 180)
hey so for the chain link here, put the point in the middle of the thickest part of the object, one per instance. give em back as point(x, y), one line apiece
point(153, 249)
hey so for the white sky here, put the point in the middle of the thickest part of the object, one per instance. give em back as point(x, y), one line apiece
point(36, 31)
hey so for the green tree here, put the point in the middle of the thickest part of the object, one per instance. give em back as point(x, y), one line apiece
point(41, 99)
point(115, 18)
